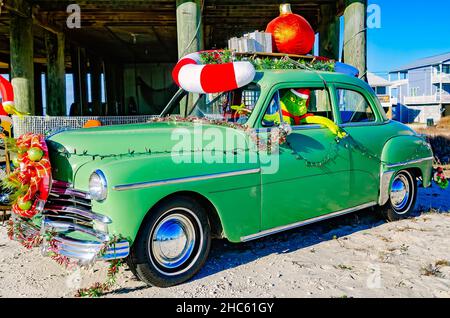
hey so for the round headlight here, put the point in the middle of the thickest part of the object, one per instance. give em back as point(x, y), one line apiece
point(98, 187)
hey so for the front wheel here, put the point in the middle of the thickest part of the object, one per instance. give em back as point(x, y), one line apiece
point(402, 197)
point(173, 243)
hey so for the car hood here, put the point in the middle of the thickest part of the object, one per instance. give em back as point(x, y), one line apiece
point(69, 150)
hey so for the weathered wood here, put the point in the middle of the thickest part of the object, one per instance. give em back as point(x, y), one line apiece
point(79, 69)
point(189, 27)
point(22, 69)
point(75, 81)
point(83, 82)
point(111, 89)
point(96, 85)
point(189, 32)
point(355, 35)
point(56, 76)
point(329, 31)
point(38, 101)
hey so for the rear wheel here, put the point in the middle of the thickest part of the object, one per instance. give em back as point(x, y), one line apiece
point(402, 197)
point(173, 243)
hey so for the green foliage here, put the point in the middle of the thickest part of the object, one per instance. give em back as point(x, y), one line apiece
point(267, 63)
point(216, 57)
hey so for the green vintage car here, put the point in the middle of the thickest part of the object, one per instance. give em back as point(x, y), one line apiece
point(167, 188)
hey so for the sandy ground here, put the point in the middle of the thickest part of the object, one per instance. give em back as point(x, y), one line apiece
point(359, 255)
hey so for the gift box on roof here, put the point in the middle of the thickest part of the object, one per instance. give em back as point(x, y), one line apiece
point(254, 42)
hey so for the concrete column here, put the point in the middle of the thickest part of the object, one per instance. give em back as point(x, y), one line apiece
point(355, 35)
point(189, 33)
point(329, 32)
point(22, 69)
point(56, 74)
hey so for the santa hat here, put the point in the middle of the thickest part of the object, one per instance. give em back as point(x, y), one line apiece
point(302, 93)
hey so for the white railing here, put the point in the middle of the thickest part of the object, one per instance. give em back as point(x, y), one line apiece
point(421, 99)
point(445, 99)
point(432, 99)
point(441, 78)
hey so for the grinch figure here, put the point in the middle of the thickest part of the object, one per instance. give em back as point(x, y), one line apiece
point(294, 107)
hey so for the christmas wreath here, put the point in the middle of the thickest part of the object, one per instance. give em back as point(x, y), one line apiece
point(29, 184)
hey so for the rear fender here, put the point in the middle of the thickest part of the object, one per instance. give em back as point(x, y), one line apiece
point(404, 153)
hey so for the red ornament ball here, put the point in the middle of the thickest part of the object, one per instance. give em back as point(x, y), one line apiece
point(291, 33)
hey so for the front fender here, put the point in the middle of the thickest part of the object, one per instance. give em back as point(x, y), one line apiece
point(128, 207)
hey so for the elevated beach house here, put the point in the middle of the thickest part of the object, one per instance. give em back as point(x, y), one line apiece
point(422, 89)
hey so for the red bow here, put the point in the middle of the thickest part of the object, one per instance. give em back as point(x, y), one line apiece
point(35, 174)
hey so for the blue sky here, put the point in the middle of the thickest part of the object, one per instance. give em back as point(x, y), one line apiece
point(410, 29)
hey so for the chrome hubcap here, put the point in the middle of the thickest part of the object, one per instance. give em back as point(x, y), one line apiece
point(173, 241)
point(400, 192)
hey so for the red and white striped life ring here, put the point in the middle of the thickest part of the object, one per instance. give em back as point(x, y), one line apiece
point(195, 77)
point(6, 90)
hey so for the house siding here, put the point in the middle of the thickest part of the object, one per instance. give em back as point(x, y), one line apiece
point(421, 97)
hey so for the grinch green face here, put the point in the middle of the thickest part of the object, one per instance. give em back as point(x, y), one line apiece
point(294, 104)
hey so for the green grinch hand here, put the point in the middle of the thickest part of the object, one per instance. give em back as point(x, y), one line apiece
point(241, 110)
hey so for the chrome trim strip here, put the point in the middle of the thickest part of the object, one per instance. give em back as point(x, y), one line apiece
point(407, 163)
point(143, 185)
point(363, 124)
point(385, 184)
point(306, 222)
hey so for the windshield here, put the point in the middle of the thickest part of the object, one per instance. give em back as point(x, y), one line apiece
point(232, 106)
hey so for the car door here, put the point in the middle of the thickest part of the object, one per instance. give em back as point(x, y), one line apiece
point(360, 116)
point(312, 176)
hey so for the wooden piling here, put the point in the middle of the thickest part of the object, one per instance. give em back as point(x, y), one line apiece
point(329, 32)
point(355, 35)
point(96, 85)
point(189, 33)
point(22, 68)
point(56, 75)
point(189, 27)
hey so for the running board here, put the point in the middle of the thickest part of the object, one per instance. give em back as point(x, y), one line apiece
point(306, 222)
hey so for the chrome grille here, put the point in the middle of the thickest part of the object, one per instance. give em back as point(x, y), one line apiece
point(68, 205)
point(69, 210)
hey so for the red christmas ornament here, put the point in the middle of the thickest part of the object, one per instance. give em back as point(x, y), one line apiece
point(291, 33)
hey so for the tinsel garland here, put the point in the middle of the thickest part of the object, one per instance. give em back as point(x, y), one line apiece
point(276, 137)
point(267, 63)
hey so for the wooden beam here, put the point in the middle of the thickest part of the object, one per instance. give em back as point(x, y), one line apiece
point(22, 69)
point(329, 31)
point(355, 35)
point(20, 8)
point(56, 76)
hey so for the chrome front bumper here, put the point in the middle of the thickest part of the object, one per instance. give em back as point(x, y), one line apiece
point(85, 252)
point(68, 213)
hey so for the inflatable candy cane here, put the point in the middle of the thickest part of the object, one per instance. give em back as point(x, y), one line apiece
point(7, 106)
point(195, 77)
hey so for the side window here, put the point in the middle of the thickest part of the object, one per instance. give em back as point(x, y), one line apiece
point(354, 107)
point(293, 104)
